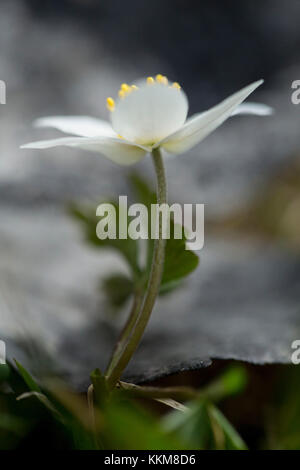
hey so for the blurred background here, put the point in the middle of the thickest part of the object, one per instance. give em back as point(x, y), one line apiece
point(64, 57)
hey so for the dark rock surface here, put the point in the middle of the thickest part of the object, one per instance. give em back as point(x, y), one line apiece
point(243, 301)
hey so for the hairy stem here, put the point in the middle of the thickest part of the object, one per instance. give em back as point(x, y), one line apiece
point(153, 283)
point(125, 333)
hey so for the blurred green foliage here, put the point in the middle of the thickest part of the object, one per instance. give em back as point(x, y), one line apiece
point(57, 417)
point(179, 262)
point(283, 412)
point(54, 416)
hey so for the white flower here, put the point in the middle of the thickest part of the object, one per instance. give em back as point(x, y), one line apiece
point(148, 115)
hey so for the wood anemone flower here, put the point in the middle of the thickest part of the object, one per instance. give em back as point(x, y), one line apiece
point(148, 115)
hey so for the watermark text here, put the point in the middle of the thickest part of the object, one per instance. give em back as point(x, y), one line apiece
point(139, 223)
point(2, 353)
point(2, 92)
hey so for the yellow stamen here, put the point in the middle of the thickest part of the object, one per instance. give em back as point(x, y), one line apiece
point(134, 87)
point(161, 79)
point(125, 87)
point(176, 85)
point(110, 103)
point(150, 80)
point(122, 94)
point(120, 136)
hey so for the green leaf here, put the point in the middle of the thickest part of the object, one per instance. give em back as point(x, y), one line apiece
point(4, 372)
point(42, 398)
point(233, 440)
point(128, 248)
point(76, 418)
point(144, 194)
point(128, 426)
point(193, 426)
point(203, 426)
point(179, 262)
point(118, 289)
point(283, 411)
point(35, 391)
point(28, 379)
point(231, 382)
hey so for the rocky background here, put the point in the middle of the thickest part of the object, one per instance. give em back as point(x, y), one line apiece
point(64, 57)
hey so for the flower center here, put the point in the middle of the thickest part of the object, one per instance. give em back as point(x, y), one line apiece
point(148, 111)
point(126, 89)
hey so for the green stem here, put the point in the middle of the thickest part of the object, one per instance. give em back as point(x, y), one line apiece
point(153, 283)
point(125, 333)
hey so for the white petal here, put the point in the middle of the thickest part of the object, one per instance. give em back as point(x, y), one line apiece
point(150, 113)
point(201, 125)
point(118, 150)
point(258, 109)
point(84, 126)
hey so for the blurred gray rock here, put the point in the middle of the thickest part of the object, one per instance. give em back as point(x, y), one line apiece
point(243, 301)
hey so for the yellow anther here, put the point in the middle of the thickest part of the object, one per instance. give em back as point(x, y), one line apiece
point(176, 85)
point(110, 103)
point(125, 90)
point(161, 79)
point(125, 87)
point(150, 80)
point(134, 87)
point(120, 136)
